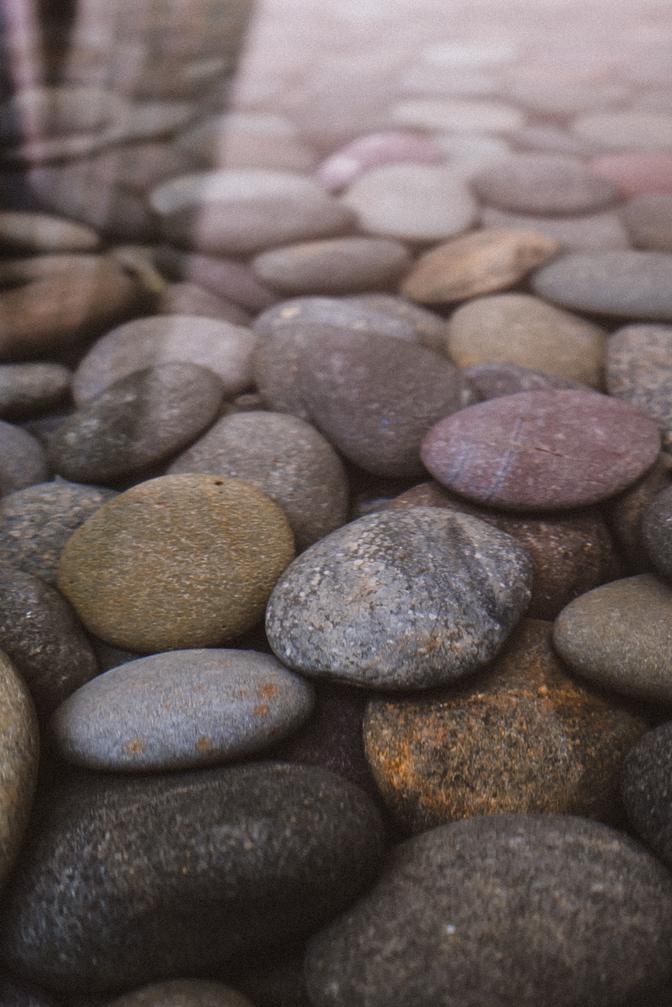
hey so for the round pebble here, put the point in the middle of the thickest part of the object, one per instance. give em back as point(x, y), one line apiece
point(586, 232)
point(358, 313)
point(400, 600)
point(543, 183)
point(283, 456)
point(147, 342)
point(646, 790)
point(139, 421)
point(502, 909)
point(617, 636)
point(35, 524)
point(639, 371)
point(478, 263)
point(179, 561)
point(648, 218)
point(524, 330)
point(333, 266)
point(201, 868)
point(625, 513)
point(189, 299)
point(521, 737)
point(656, 532)
point(181, 709)
point(489, 381)
point(636, 171)
point(544, 450)
point(19, 749)
point(427, 326)
point(221, 276)
point(22, 459)
point(26, 389)
point(412, 202)
point(344, 166)
point(40, 232)
point(182, 993)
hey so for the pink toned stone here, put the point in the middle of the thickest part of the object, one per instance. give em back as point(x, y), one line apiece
point(634, 173)
point(372, 151)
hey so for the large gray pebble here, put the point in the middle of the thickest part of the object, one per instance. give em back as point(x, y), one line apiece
point(502, 910)
point(181, 709)
point(333, 265)
point(22, 459)
point(543, 183)
point(587, 232)
point(285, 457)
point(139, 421)
point(26, 389)
point(358, 314)
point(400, 600)
point(639, 370)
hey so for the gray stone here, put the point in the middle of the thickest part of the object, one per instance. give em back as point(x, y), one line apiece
point(356, 314)
point(40, 232)
point(15, 994)
point(286, 458)
point(139, 421)
point(629, 284)
point(489, 381)
point(178, 874)
point(189, 299)
point(22, 459)
point(646, 790)
point(400, 600)
point(19, 750)
point(648, 218)
point(181, 709)
point(35, 524)
point(502, 909)
point(626, 129)
point(183, 993)
point(587, 232)
point(428, 326)
point(617, 635)
point(543, 183)
point(639, 370)
point(625, 514)
point(333, 265)
point(657, 532)
point(26, 389)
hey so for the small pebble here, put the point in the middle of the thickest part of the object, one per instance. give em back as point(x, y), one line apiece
point(189, 299)
point(19, 750)
point(22, 459)
point(26, 389)
point(636, 172)
point(657, 532)
point(459, 115)
point(639, 371)
point(333, 266)
point(648, 218)
point(646, 790)
point(586, 232)
point(346, 165)
point(35, 233)
point(543, 184)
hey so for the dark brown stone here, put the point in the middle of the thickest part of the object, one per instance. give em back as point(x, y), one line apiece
point(625, 513)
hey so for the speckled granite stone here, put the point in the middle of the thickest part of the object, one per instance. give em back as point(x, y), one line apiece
point(646, 790)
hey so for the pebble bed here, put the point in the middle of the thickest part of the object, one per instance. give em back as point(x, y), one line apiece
point(336, 505)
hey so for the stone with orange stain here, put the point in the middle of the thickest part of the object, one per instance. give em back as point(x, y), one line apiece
point(523, 736)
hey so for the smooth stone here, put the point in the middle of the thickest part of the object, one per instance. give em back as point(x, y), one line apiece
point(469, 153)
point(35, 524)
point(459, 115)
point(239, 212)
point(589, 232)
point(22, 459)
point(490, 381)
point(630, 284)
point(150, 120)
point(636, 172)
point(190, 299)
point(646, 789)
point(348, 163)
point(478, 263)
point(202, 868)
point(45, 112)
point(139, 167)
point(178, 561)
point(223, 277)
point(209, 343)
point(412, 202)
point(57, 310)
point(502, 909)
point(427, 325)
point(543, 184)
point(626, 129)
point(639, 371)
point(464, 451)
point(357, 314)
point(181, 709)
point(19, 752)
point(283, 456)
point(625, 513)
point(562, 98)
point(523, 736)
point(550, 138)
point(248, 140)
point(26, 389)
point(375, 399)
point(333, 265)
point(656, 526)
point(183, 993)
point(523, 330)
point(617, 637)
point(570, 553)
point(139, 421)
point(40, 232)
point(648, 218)
point(442, 592)
point(43, 639)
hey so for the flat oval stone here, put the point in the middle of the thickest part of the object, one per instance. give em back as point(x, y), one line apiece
point(147, 342)
point(181, 709)
point(636, 171)
point(450, 904)
point(618, 637)
point(19, 751)
point(179, 561)
point(221, 276)
point(375, 400)
point(182, 993)
point(345, 165)
point(459, 115)
point(543, 183)
point(26, 389)
point(630, 284)
point(442, 592)
point(639, 371)
point(42, 232)
point(286, 458)
point(545, 450)
point(648, 218)
point(35, 524)
point(43, 639)
point(646, 787)
point(477, 263)
point(339, 312)
point(524, 330)
point(22, 459)
point(333, 265)
point(625, 513)
point(523, 736)
point(203, 868)
point(139, 421)
point(189, 299)
point(587, 232)
point(625, 128)
point(490, 381)
point(412, 202)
